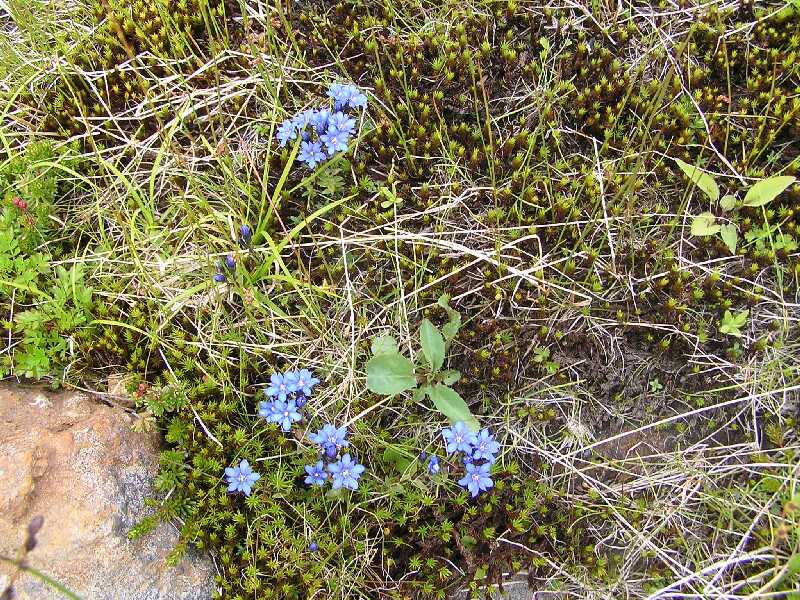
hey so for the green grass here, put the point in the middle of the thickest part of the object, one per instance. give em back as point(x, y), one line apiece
point(516, 157)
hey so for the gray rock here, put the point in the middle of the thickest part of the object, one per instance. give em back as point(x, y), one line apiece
point(78, 464)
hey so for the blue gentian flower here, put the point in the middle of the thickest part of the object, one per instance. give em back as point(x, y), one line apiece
point(268, 410)
point(339, 94)
point(245, 232)
point(230, 263)
point(357, 98)
point(320, 120)
point(459, 438)
point(219, 277)
point(335, 141)
point(316, 474)
point(287, 131)
point(303, 119)
point(347, 96)
point(311, 154)
point(302, 381)
point(285, 414)
point(330, 439)
point(343, 123)
point(241, 478)
point(345, 473)
point(485, 447)
point(477, 478)
point(278, 387)
point(312, 547)
point(433, 465)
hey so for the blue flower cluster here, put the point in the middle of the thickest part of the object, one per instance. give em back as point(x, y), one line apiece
point(474, 447)
point(287, 389)
point(288, 393)
point(326, 131)
point(345, 472)
point(241, 478)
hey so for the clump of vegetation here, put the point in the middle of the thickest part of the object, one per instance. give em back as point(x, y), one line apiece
point(570, 231)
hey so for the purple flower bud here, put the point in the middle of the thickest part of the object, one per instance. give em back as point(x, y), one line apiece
point(219, 277)
point(423, 455)
point(35, 525)
point(245, 232)
point(312, 547)
point(330, 451)
point(300, 401)
point(230, 262)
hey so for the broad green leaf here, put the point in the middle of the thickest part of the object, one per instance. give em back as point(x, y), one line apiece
point(766, 190)
point(432, 344)
point(741, 318)
point(727, 202)
point(704, 224)
point(450, 329)
point(390, 374)
point(451, 405)
point(384, 344)
point(450, 376)
point(701, 179)
point(419, 393)
point(400, 457)
point(729, 235)
point(793, 566)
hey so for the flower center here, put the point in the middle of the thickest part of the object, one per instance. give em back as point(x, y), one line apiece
point(346, 473)
point(241, 478)
point(459, 439)
point(286, 413)
point(475, 477)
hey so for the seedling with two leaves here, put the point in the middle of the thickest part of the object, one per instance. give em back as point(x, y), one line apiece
point(760, 194)
point(390, 373)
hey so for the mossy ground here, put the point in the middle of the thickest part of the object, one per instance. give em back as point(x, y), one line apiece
point(518, 157)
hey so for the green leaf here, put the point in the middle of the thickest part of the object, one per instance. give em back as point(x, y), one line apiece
point(450, 376)
point(390, 374)
point(450, 329)
point(400, 457)
point(793, 566)
point(432, 344)
point(419, 393)
point(384, 344)
point(727, 202)
point(701, 179)
point(451, 405)
point(731, 324)
point(729, 235)
point(766, 190)
point(704, 224)
point(769, 484)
